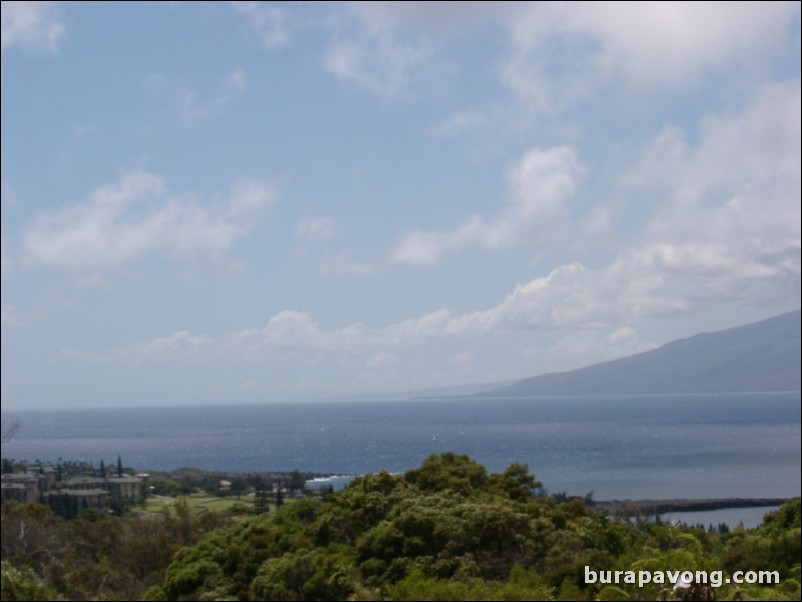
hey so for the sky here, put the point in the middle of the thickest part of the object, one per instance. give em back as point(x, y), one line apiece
point(247, 202)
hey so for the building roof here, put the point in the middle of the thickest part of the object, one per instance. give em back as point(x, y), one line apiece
point(20, 476)
point(79, 492)
point(19, 486)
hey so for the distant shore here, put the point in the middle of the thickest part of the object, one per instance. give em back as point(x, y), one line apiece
point(647, 507)
point(652, 507)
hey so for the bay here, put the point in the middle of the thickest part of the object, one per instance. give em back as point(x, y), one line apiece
point(630, 447)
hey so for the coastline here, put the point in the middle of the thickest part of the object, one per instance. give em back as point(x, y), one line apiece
point(652, 507)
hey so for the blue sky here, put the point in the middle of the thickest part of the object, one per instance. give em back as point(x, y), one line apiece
point(247, 202)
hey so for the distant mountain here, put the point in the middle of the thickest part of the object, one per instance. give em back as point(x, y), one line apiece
point(763, 356)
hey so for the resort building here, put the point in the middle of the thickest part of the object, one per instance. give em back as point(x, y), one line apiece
point(68, 498)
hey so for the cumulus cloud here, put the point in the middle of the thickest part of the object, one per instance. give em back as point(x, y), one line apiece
point(726, 235)
point(565, 298)
point(181, 344)
point(559, 52)
point(668, 44)
point(31, 25)
point(121, 222)
point(539, 186)
point(729, 211)
point(268, 21)
point(645, 46)
point(287, 331)
point(649, 283)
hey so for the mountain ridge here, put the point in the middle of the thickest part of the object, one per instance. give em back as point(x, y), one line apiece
point(761, 356)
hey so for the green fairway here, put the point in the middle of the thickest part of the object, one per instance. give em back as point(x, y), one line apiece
point(198, 503)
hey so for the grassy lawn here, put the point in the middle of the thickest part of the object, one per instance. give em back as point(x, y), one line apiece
point(198, 503)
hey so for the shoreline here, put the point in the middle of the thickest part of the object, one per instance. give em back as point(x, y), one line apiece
point(652, 507)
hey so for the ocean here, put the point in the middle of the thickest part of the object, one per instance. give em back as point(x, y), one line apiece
point(636, 447)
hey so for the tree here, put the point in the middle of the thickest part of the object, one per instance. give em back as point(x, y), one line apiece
point(261, 504)
point(297, 481)
point(24, 584)
point(119, 466)
point(449, 530)
point(239, 486)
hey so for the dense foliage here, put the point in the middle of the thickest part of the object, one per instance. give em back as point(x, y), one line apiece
point(95, 556)
point(447, 530)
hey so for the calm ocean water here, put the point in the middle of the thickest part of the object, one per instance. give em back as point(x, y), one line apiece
point(656, 446)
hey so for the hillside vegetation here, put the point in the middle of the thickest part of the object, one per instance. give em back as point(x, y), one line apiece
point(447, 530)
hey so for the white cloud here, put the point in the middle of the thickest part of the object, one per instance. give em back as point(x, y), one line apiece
point(287, 331)
point(181, 344)
point(31, 25)
point(376, 63)
point(561, 52)
point(668, 44)
point(188, 104)
point(757, 145)
point(267, 20)
point(121, 222)
point(539, 186)
point(558, 52)
point(725, 236)
point(563, 299)
point(726, 233)
point(589, 346)
point(371, 53)
point(730, 206)
point(648, 283)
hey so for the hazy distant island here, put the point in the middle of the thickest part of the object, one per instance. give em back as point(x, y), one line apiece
point(762, 356)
